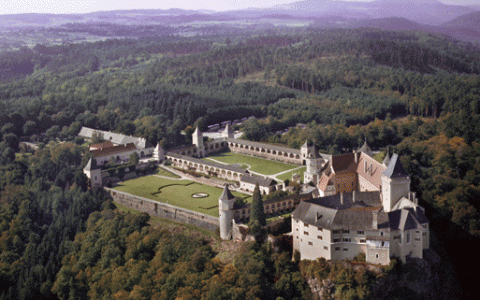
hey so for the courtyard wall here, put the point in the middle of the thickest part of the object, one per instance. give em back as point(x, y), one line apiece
point(163, 210)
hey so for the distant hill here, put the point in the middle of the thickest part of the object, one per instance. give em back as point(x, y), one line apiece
point(393, 24)
point(471, 21)
point(430, 12)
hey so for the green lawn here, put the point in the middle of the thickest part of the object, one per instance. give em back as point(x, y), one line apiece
point(288, 175)
point(177, 192)
point(163, 172)
point(263, 166)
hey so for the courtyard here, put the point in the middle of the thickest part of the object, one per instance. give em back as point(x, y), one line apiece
point(182, 193)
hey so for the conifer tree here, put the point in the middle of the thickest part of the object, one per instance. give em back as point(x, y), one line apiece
point(258, 212)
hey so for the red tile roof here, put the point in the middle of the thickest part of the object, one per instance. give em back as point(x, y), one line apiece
point(114, 150)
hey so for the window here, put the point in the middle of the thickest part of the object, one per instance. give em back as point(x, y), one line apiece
point(305, 224)
point(296, 221)
point(320, 229)
point(376, 255)
point(360, 232)
point(336, 240)
point(408, 237)
point(345, 249)
point(337, 248)
point(346, 231)
point(348, 240)
point(310, 243)
point(305, 232)
point(325, 248)
point(296, 229)
point(319, 237)
point(336, 231)
point(381, 233)
point(363, 241)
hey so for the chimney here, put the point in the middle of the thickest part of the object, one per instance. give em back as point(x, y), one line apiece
point(341, 198)
point(375, 219)
point(353, 196)
point(355, 155)
point(414, 198)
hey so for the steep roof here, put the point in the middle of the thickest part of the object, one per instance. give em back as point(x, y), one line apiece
point(114, 150)
point(343, 162)
point(226, 194)
point(395, 168)
point(255, 179)
point(325, 181)
point(366, 148)
point(314, 153)
point(329, 212)
point(116, 138)
point(407, 218)
point(370, 169)
point(91, 165)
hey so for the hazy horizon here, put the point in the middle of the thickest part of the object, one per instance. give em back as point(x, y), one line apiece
point(87, 6)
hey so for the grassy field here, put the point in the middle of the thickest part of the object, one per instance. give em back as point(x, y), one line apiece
point(177, 192)
point(288, 175)
point(163, 172)
point(263, 166)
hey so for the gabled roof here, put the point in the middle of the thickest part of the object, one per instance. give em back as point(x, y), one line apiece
point(366, 148)
point(406, 219)
point(116, 138)
point(343, 162)
point(328, 212)
point(114, 150)
point(325, 181)
point(102, 145)
point(255, 179)
point(226, 194)
point(395, 168)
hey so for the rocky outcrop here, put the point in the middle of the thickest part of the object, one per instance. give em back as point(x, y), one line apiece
point(426, 278)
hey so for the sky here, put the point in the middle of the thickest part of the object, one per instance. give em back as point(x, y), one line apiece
point(85, 6)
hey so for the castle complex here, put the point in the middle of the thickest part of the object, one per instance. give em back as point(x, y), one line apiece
point(357, 204)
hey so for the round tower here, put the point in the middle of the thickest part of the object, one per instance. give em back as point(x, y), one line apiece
point(314, 163)
point(225, 213)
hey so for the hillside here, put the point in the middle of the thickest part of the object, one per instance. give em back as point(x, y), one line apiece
point(414, 92)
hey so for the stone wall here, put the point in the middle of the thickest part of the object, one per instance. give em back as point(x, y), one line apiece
point(163, 210)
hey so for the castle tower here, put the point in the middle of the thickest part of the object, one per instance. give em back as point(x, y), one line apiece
point(314, 163)
point(197, 139)
point(304, 151)
point(228, 132)
point(158, 153)
point(93, 173)
point(225, 212)
point(395, 183)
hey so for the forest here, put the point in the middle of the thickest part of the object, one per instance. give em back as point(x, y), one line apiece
point(414, 93)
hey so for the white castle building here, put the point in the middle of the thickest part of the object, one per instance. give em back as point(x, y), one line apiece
point(367, 208)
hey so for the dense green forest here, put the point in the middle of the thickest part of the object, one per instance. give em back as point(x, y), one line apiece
point(416, 93)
